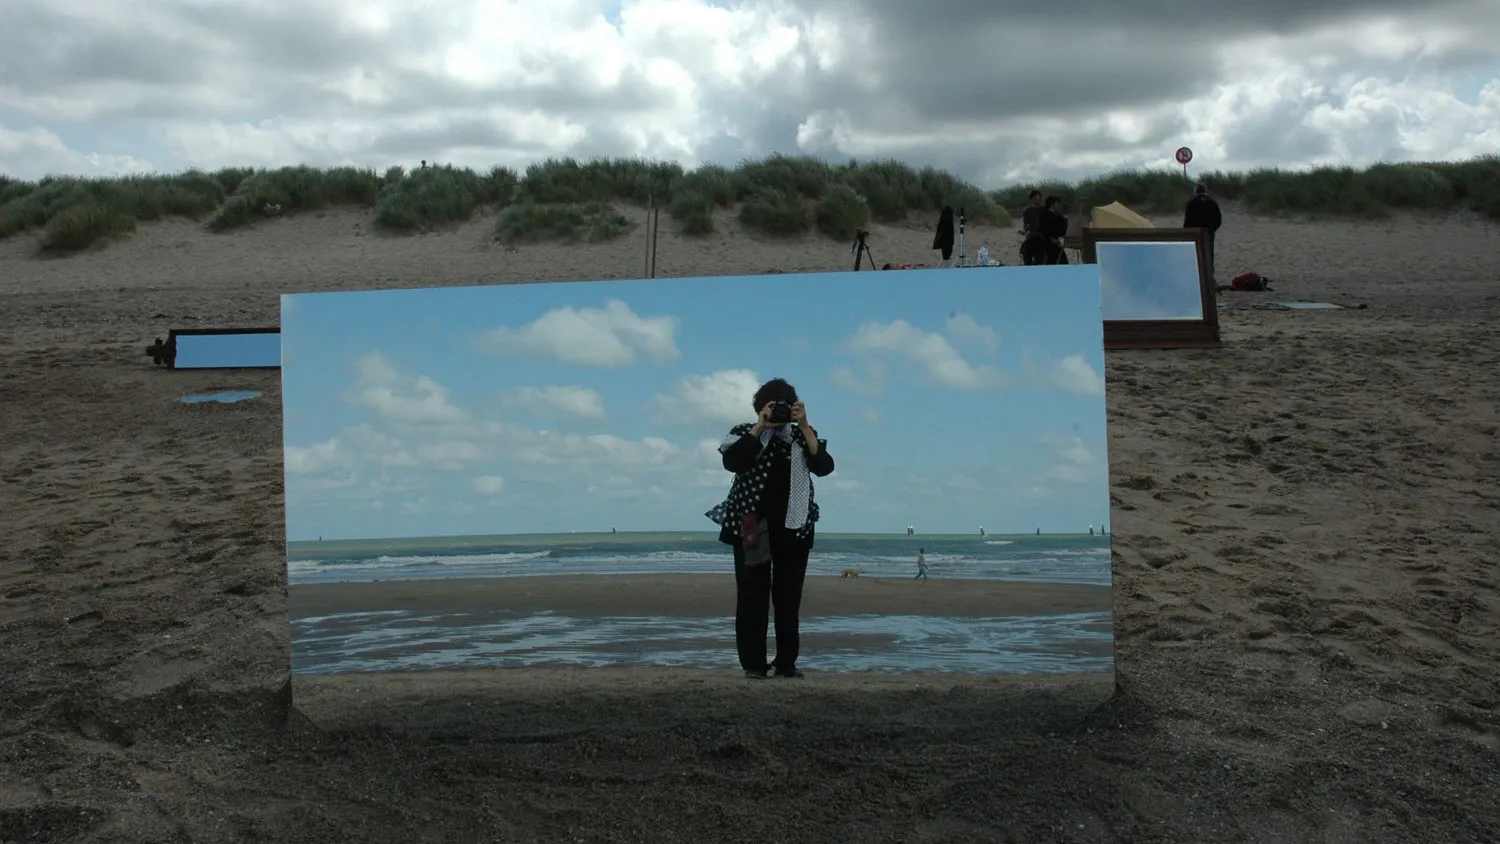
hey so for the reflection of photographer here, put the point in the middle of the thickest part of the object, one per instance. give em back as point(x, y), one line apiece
point(768, 519)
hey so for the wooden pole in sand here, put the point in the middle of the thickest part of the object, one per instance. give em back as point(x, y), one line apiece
point(650, 206)
point(655, 230)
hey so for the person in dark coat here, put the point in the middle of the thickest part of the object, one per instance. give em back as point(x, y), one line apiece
point(1033, 242)
point(771, 507)
point(944, 238)
point(1203, 213)
point(1053, 226)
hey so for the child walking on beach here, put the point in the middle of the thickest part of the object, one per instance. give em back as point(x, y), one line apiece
point(921, 564)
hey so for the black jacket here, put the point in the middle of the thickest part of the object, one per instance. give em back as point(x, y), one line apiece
point(1202, 213)
point(944, 238)
point(1031, 219)
point(1052, 224)
point(747, 456)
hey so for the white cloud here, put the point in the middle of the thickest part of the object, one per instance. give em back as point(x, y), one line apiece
point(314, 459)
point(1076, 462)
point(590, 451)
point(417, 400)
point(452, 455)
point(477, 83)
point(1071, 374)
point(1069, 448)
point(709, 469)
point(611, 336)
point(965, 330)
point(870, 415)
point(34, 153)
point(930, 352)
point(869, 385)
point(489, 484)
point(708, 452)
point(723, 397)
point(580, 402)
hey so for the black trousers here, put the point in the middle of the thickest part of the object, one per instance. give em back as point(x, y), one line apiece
point(777, 583)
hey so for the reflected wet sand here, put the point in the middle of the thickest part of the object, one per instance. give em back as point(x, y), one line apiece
point(409, 641)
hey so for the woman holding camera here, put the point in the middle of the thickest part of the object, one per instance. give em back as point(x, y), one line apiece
point(768, 519)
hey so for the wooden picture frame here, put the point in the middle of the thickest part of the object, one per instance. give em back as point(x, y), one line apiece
point(1161, 333)
point(166, 353)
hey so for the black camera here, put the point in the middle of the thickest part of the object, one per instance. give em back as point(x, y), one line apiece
point(781, 413)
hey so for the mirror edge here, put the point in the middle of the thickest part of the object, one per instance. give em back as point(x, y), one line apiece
point(1199, 333)
point(170, 347)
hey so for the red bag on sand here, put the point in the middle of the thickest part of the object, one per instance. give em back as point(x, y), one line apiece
point(1250, 282)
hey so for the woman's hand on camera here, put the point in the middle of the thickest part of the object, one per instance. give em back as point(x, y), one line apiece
point(799, 414)
point(762, 420)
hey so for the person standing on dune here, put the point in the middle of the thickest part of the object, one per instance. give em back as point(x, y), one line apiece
point(1203, 213)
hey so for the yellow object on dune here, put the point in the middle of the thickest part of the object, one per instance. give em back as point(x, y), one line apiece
point(1117, 216)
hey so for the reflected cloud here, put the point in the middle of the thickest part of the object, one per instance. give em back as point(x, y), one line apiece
point(1150, 281)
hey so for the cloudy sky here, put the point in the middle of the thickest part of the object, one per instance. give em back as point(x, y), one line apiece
point(998, 90)
point(949, 399)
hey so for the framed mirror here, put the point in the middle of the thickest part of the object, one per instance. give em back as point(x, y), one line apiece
point(218, 348)
point(1158, 289)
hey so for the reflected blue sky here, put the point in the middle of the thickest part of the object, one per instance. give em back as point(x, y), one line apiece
point(1150, 281)
point(221, 398)
point(207, 351)
point(550, 408)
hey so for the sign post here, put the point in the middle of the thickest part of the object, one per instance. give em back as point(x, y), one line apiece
point(1183, 156)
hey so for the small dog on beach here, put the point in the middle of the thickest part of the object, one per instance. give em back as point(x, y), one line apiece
point(852, 573)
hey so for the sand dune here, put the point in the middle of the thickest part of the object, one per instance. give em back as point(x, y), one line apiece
point(1307, 612)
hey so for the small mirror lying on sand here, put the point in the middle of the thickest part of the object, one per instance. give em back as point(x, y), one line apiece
point(556, 475)
point(220, 348)
point(221, 398)
point(1157, 289)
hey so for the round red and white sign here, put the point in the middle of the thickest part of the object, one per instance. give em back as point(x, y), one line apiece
point(1184, 155)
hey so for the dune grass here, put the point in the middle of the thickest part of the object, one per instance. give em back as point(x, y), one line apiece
point(1373, 193)
point(429, 197)
point(529, 221)
point(296, 189)
point(778, 196)
point(74, 213)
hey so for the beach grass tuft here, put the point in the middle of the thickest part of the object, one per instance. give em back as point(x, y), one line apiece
point(570, 222)
point(430, 197)
point(778, 196)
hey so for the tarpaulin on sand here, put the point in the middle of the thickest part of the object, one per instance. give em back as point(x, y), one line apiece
point(1117, 216)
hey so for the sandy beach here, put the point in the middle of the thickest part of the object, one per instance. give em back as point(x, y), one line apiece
point(694, 596)
point(1307, 616)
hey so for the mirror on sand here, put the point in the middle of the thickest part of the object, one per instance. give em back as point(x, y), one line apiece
point(567, 474)
point(1157, 291)
point(222, 348)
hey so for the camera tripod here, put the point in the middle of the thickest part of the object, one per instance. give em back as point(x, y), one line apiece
point(862, 249)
